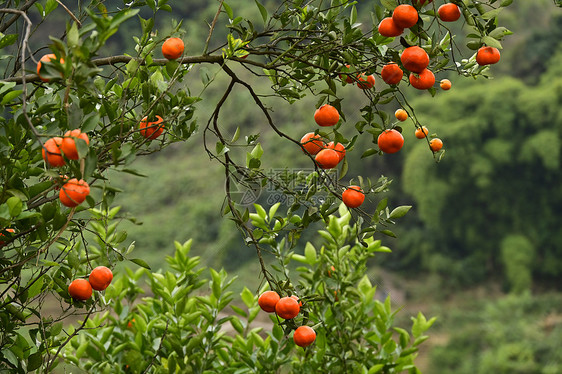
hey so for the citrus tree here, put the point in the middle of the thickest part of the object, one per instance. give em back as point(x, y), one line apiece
point(71, 114)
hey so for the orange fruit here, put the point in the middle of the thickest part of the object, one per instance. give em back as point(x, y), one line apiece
point(338, 148)
point(268, 300)
point(346, 77)
point(287, 308)
point(387, 27)
point(52, 153)
point(173, 48)
point(151, 130)
point(80, 289)
point(100, 278)
point(8, 230)
point(326, 115)
point(415, 59)
point(304, 336)
point(391, 73)
point(74, 192)
point(332, 268)
point(68, 145)
point(312, 143)
point(421, 133)
point(327, 158)
point(405, 16)
point(365, 81)
point(487, 56)
point(436, 144)
point(353, 197)
point(401, 115)
point(297, 299)
point(390, 141)
point(46, 58)
point(445, 84)
point(423, 80)
point(449, 12)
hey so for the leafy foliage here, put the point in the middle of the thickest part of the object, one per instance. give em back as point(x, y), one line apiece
point(300, 50)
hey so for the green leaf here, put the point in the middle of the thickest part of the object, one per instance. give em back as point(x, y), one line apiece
point(375, 369)
point(389, 4)
point(73, 36)
point(488, 40)
point(34, 361)
point(247, 297)
point(389, 233)
point(140, 262)
point(263, 11)
point(8, 40)
point(506, 3)
point(310, 253)
point(10, 96)
point(50, 6)
point(228, 10)
point(15, 206)
point(400, 211)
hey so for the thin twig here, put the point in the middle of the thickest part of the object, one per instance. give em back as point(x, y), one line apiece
point(212, 28)
point(70, 13)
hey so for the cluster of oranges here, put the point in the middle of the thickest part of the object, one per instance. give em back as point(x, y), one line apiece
point(99, 279)
point(73, 191)
point(287, 308)
point(415, 59)
point(435, 144)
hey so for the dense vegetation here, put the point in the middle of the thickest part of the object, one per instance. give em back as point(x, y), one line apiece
point(485, 217)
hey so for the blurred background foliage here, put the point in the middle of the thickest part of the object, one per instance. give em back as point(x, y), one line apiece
point(481, 247)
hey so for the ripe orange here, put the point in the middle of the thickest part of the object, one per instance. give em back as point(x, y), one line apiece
point(80, 289)
point(74, 192)
point(487, 56)
point(436, 144)
point(365, 81)
point(296, 299)
point(387, 27)
point(326, 115)
point(338, 148)
point(353, 197)
point(422, 81)
point(100, 278)
point(46, 58)
point(421, 133)
point(445, 84)
point(405, 16)
point(391, 73)
point(173, 48)
point(449, 12)
point(327, 158)
point(151, 130)
point(415, 59)
point(8, 230)
point(68, 145)
point(304, 336)
point(52, 153)
point(268, 300)
point(390, 141)
point(401, 115)
point(346, 77)
point(312, 143)
point(287, 308)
